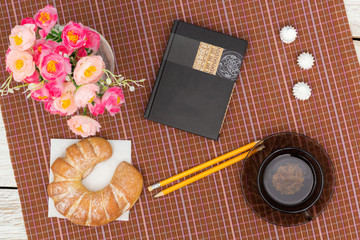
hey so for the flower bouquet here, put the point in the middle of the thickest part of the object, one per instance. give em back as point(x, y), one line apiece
point(58, 66)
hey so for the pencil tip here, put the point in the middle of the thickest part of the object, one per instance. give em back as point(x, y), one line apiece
point(159, 194)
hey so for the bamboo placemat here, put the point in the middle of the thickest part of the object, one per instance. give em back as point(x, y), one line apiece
point(212, 208)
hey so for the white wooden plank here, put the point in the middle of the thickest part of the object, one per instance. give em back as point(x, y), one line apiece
point(353, 13)
point(6, 172)
point(11, 220)
point(357, 48)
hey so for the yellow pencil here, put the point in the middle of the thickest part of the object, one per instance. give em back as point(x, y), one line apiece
point(203, 165)
point(207, 172)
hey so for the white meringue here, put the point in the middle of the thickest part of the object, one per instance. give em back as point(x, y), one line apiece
point(288, 34)
point(305, 60)
point(302, 91)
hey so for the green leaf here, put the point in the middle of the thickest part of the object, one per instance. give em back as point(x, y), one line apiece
point(89, 51)
point(54, 35)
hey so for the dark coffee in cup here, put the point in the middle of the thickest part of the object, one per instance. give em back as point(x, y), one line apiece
point(290, 180)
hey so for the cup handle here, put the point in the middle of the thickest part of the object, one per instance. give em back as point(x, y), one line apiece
point(308, 216)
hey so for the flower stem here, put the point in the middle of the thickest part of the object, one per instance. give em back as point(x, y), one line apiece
point(5, 88)
point(119, 80)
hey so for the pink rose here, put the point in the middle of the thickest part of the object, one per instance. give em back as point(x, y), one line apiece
point(43, 48)
point(74, 35)
point(43, 33)
point(33, 78)
point(80, 53)
point(54, 66)
point(55, 88)
point(41, 95)
point(29, 20)
point(69, 87)
point(22, 38)
point(49, 106)
point(65, 104)
point(6, 55)
point(83, 125)
point(96, 108)
point(46, 19)
point(61, 49)
point(112, 100)
point(89, 70)
point(85, 94)
point(21, 64)
point(92, 39)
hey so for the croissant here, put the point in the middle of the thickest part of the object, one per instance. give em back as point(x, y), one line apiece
point(84, 207)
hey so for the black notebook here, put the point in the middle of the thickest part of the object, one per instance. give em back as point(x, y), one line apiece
point(196, 78)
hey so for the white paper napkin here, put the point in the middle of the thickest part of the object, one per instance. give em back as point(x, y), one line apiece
point(102, 173)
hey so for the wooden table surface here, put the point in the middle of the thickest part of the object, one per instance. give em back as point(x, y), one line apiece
point(11, 220)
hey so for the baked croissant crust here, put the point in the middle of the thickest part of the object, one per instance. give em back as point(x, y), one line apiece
point(84, 207)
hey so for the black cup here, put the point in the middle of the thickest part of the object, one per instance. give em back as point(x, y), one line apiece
point(305, 195)
point(293, 213)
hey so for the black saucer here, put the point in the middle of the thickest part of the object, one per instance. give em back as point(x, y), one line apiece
point(263, 206)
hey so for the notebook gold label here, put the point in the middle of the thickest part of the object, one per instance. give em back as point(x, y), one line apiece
point(208, 58)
